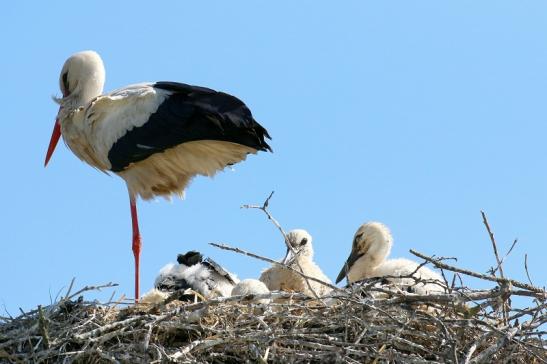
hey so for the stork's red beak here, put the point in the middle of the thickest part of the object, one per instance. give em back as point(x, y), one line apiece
point(54, 140)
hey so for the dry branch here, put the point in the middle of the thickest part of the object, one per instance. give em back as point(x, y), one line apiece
point(256, 256)
point(264, 208)
point(494, 245)
point(452, 268)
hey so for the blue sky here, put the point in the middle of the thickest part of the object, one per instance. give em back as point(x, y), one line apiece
point(416, 114)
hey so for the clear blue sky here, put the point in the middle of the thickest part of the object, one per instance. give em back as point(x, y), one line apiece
point(416, 114)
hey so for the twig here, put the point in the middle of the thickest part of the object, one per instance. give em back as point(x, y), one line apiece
point(486, 355)
point(526, 268)
point(455, 297)
point(93, 288)
point(499, 264)
point(494, 245)
point(102, 329)
point(198, 344)
point(252, 255)
point(469, 354)
point(439, 264)
point(264, 208)
point(43, 326)
point(506, 255)
point(70, 287)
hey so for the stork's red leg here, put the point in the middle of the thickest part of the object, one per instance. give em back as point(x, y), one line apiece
point(136, 243)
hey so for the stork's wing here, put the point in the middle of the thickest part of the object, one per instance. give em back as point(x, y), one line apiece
point(183, 113)
point(221, 271)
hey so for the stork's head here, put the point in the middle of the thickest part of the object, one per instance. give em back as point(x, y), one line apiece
point(371, 245)
point(81, 80)
point(300, 241)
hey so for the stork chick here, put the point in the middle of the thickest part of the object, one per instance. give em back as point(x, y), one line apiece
point(371, 245)
point(203, 276)
point(251, 287)
point(280, 278)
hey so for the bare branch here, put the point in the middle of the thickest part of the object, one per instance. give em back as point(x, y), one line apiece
point(494, 245)
point(441, 265)
point(505, 257)
point(285, 266)
point(264, 208)
point(526, 268)
point(499, 263)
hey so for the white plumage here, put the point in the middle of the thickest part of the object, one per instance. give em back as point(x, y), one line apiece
point(203, 276)
point(279, 278)
point(92, 123)
point(154, 297)
point(91, 132)
point(156, 136)
point(371, 245)
point(251, 287)
point(176, 167)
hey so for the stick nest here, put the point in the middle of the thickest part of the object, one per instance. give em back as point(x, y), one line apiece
point(367, 322)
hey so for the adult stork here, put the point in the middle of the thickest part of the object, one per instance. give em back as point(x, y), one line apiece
point(156, 136)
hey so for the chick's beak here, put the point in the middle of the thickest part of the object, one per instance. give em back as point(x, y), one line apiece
point(348, 264)
point(288, 256)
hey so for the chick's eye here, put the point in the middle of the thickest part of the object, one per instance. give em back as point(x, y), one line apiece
point(304, 241)
point(357, 238)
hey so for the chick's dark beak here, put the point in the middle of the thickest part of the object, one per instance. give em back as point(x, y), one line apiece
point(347, 265)
point(288, 256)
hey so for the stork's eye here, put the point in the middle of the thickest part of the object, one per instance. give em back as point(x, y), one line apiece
point(65, 83)
point(304, 241)
point(357, 238)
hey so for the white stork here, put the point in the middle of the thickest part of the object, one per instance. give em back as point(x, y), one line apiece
point(204, 276)
point(251, 287)
point(280, 278)
point(156, 136)
point(371, 245)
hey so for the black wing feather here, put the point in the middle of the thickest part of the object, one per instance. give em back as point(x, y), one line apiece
point(191, 113)
point(217, 268)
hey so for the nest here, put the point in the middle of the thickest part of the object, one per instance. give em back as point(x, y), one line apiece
point(367, 322)
point(370, 321)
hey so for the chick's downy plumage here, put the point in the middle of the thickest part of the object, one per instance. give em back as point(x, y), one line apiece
point(280, 278)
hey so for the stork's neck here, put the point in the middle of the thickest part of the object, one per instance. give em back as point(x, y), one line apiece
point(91, 89)
point(306, 253)
point(361, 269)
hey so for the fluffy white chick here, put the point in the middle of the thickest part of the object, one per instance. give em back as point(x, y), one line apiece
point(280, 278)
point(371, 245)
point(203, 276)
point(251, 287)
